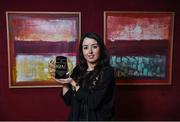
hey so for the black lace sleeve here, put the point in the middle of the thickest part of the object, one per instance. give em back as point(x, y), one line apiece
point(67, 97)
point(69, 94)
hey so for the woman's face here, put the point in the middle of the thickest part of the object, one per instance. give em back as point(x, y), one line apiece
point(91, 50)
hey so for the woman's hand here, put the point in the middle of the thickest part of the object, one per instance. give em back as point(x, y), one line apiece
point(63, 81)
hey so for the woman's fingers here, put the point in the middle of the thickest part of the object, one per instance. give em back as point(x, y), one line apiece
point(66, 80)
point(63, 81)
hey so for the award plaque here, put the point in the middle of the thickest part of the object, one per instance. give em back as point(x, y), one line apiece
point(61, 67)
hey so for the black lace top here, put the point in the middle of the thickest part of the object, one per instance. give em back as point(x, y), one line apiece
point(95, 98)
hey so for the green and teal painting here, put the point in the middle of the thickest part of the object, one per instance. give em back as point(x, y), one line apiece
point(139, 67)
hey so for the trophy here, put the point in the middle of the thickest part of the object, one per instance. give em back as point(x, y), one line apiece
point(61, 67)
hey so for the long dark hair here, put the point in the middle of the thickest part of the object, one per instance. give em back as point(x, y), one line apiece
point(103, 60)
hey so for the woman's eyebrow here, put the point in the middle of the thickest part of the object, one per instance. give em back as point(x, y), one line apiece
point(91, 44)
point(95, 44)
point(84, 45)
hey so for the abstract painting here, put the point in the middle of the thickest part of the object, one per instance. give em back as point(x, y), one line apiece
point(33, 38)
point(140, 46)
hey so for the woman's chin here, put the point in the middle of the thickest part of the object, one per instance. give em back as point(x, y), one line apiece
point(92, 61)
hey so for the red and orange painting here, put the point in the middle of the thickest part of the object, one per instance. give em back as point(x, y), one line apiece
point(33, 37)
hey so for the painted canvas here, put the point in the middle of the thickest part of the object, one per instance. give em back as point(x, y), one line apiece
point(33, 37)
point(140, 45)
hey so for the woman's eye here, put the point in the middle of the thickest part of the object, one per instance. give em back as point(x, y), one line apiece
point(95, 46)
point(85, 48)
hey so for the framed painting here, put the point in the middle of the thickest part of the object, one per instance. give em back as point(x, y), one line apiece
point(33, 37)
point(140, 46)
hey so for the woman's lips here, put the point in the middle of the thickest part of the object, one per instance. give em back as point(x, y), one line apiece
point(90, 56)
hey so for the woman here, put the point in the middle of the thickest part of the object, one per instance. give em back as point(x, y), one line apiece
point(91, 89)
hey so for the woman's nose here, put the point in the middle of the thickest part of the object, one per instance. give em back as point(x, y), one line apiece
point(90, 50)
